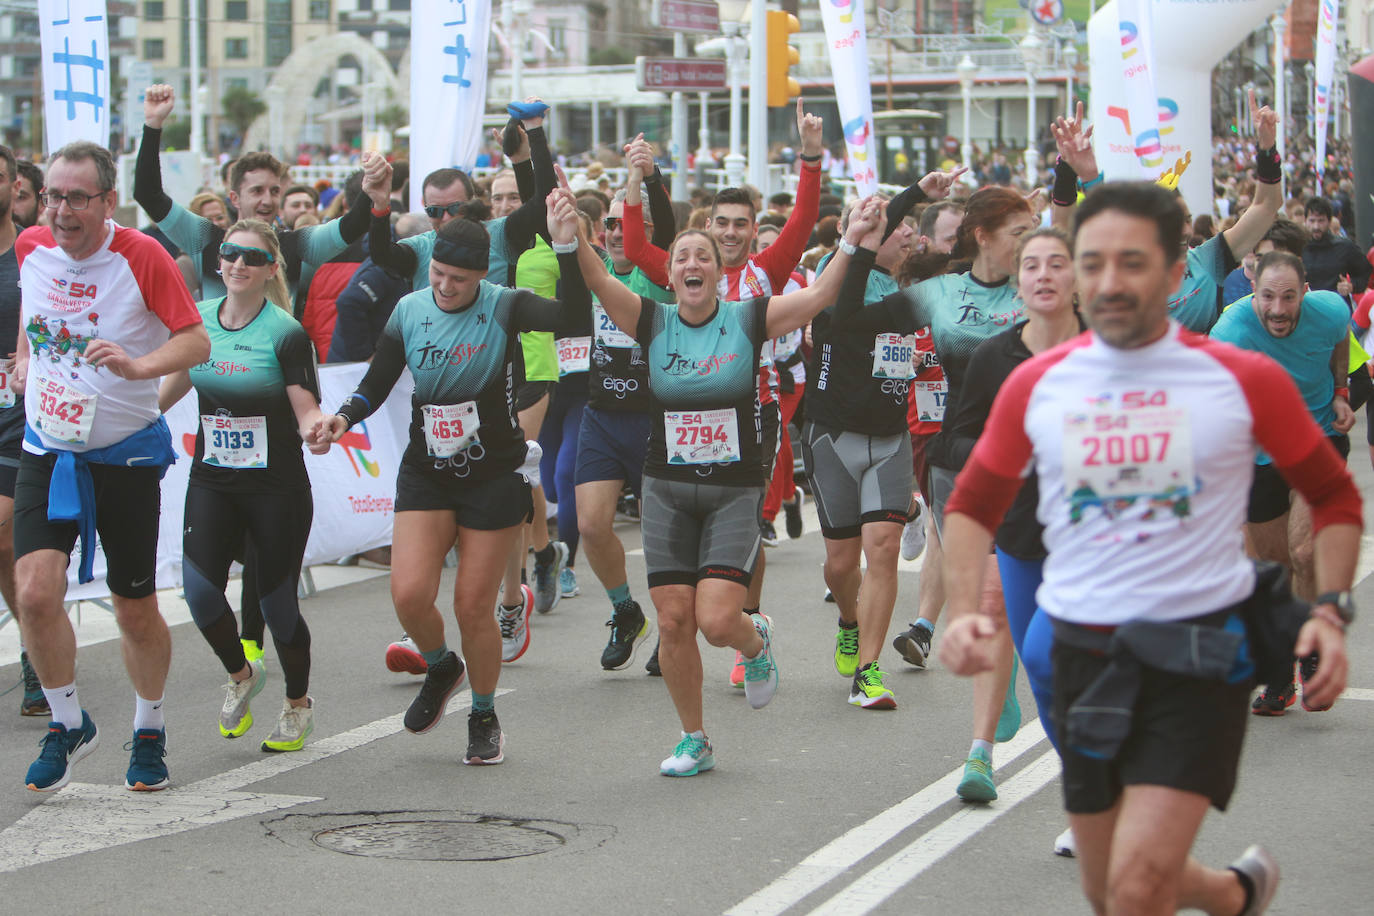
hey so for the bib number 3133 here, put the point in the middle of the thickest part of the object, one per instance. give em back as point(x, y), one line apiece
point(450, 428)
point(235, 442)
point(701, 437)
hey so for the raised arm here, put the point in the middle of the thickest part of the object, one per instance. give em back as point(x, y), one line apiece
point(642, 253)
point(793, 310)
point(660, 209)
point(571, 312)
point(1077, 163)
point(148, 193)
point(782, 257)
point(384, 250)
point(1254, 222)
point(619, 301)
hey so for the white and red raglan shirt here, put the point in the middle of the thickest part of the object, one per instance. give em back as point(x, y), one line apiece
point(1145, 458)
point(129, 291)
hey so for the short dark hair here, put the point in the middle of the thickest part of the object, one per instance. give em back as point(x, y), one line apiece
point(781, 199)
point(306, 189)
point(776, 220)
point(1287, 236)
point(1143, 199)
point(84, 150)
point(446, 178)
point(932, 213)
point(353, 186)
point(32, 172)
point(734, 196)
point(253, 162)
point(7, 157)
point(1280, 258)
point(1320, 206)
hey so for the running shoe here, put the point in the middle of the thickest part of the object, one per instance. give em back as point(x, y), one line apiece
point(252, 650)
point(737, 671)
point(515, 625)
point(486, 741)
point(868, 690)
point(692, 755)
point(651, 665)
point(1065, 845)
point(235, 717)
point(548, 578)
point(629, 630)
point(61, 750)
point(147, 769)
point(914, 645)
point(914, 533)
point(294, 725)
point(829, 597)
point(441, 682)
point(976, 786)
point(761, 671)
point(33, 702)
point(1009, 723)
point(1307, 669)
point(768, 534)
point(1257, 865)
point(404, 657)
point(567, 583)
point(792, 514)
point(1275, 702)
point(847, 651)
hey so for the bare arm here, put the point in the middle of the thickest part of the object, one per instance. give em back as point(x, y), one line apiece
point(173, 388)
point(789, 312)
point(308, 416)
point(184, 349)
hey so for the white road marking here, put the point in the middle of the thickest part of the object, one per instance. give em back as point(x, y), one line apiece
point(867, 892)
point(1357, 693)
point(850, 848)
point(85, 818)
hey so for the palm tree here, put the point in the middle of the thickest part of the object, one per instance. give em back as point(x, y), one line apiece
point(242, 106)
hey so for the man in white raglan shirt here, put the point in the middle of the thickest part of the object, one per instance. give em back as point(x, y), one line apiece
point(105, 315)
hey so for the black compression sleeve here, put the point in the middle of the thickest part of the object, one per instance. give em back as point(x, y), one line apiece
point(1065, 193)
point(148, 192)
point(382, 373)
point(354, 223)
point(661, 212)
point(386, 253)
point(901, 205)
point(524, 178)
point(851, 296)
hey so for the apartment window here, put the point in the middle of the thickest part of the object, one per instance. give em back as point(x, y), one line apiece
point(558, 35)
point(319, 10)
point(154, 49)
point(236, 10)
point(154, 10)
point(278, 31)
point(236, 48)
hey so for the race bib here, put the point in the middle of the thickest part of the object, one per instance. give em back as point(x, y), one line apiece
point(7, 398)
point(574, 355)
point(607, 334)
point(892, 355)
point(1121, 454)
point(786, 345)
point(701, 437)
point(235, 442)
point(64, 413)
point(450, 428)
point(930, 400)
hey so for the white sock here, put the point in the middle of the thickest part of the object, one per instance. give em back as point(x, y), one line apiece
point(65, 705)
point(980, 745)
point(148, 714)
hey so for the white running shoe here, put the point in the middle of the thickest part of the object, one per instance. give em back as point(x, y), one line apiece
point(914, 533)
point(761, 671)
point(515, 626)
point(1065, 845)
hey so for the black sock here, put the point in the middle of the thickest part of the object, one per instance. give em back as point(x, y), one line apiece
point(544, 557)
point(848, 626)
point(751, 611)
point(1246, 885)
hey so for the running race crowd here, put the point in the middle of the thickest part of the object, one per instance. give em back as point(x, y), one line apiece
point(1092, 413)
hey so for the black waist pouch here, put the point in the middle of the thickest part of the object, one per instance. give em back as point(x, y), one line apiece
point(1273, 616)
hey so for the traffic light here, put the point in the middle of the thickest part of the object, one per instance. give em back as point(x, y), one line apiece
point(782, 57)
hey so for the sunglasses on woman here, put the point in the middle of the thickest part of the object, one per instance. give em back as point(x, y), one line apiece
point(253, 257)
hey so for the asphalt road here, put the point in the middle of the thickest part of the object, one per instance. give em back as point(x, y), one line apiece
point(814, 805)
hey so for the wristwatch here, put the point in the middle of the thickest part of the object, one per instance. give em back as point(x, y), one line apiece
point(1342, 602)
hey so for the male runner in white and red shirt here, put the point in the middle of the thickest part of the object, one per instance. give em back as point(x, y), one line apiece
point(105, 315)
point(1143, 437)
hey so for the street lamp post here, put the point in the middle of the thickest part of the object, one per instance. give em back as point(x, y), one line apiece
point(514, 16)
point(1071, 65)
point(967, 70)
point(1031, 48)
point(730, 13)
point(1311, 101)
point(704, 137)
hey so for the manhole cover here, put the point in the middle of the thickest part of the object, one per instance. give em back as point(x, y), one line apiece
point(435, 836)
point(440, 841)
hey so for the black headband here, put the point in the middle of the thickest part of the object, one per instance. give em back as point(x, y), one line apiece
point(457, 254)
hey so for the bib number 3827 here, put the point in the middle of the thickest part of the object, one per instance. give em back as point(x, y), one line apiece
point(235, 442)
point(450, 428)
point(702, 436)
point(64, 413)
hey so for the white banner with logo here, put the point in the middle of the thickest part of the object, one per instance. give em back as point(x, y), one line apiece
point(847, 39)
point(354, 485)
point(448, 86)
point(1197, 35)
point(75, 46)
point(1135, 20)
point(1326, 65)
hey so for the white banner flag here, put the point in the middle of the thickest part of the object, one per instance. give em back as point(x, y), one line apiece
point(848, 42)
point(1326, 64)
point(1136, 22)
point(448, 86)
point(75, 45)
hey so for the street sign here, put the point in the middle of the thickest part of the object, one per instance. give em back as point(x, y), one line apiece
point(687, 15)
point(673, 74)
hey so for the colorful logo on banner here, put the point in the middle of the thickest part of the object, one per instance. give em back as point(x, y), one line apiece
point(1149, 145)
point(355, 444)
point(847, 6)
point(1130, 40)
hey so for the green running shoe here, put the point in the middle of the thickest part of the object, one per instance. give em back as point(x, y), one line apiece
point(868, 691)
point(977, 786)
point(847, 651)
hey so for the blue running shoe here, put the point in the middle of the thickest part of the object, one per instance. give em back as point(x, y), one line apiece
point(1009, 723)
point(147, 770)
point(61, 748)
point(34, 702)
